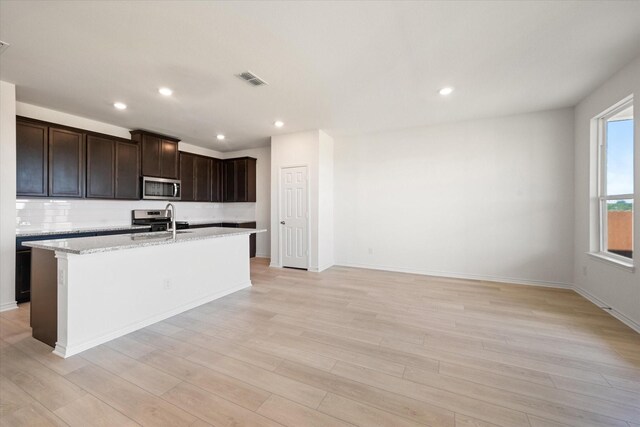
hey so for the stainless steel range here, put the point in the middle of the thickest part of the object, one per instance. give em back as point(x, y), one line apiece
point(157, 219)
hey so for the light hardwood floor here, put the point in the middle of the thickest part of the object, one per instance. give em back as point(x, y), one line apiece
point(341, 348)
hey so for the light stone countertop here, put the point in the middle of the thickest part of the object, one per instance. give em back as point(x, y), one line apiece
point(92, 245)
point(97, 228)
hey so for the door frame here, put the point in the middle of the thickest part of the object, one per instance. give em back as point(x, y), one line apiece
point(305, 165)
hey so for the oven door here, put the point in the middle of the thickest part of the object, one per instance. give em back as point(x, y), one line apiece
point(160, 188)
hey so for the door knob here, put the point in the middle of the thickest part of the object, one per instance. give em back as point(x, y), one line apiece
point(282, 222)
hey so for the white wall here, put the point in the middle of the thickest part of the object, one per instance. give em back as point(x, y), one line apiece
point(57, 214)
point(7, 195)
point(489, 199)
point(48, 214)
point(326, 230)
point(47, 114)
point(603, 282)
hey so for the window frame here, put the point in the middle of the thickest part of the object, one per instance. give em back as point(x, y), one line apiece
point(603, 197)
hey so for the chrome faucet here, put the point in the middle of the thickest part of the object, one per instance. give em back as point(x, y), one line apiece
point(173, 218)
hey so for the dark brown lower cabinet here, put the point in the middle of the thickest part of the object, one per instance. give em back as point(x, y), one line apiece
point(23, 276)
point(44, 305)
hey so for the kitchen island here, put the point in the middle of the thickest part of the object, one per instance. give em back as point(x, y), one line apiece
point(90, 290)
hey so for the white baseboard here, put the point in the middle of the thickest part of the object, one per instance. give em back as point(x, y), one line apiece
point(8, 306)
point(263, 256)
point(275, 265)
point(465, 276)
point(615, 313)
point(321, 268)
point(62, 351)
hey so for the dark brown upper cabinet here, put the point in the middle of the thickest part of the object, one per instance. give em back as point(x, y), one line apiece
point(127, 170)
point(240, 180)
point(150, 155)
point(66, 163)
point(159, 154)
point(187, 177)
point(112, 168)
point(195, 177)
point(169, 159)
point(59, 161)
point(203, 179)
point(101, 159)
point(32, 158)
point(217, 180)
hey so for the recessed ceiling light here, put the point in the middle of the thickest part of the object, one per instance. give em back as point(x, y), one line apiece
point(220, 137)
point(120, 105)
point(278, 124)
point(165, 91)
point(446, 91)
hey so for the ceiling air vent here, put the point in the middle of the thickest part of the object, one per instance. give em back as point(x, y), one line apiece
point(252, 79)
point(3, 46)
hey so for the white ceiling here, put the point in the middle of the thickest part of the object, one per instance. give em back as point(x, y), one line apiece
point(345, 67)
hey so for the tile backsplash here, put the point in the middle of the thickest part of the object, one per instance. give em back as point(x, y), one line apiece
point(53, 214)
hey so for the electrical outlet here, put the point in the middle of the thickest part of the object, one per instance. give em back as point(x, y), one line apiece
point(166, 284)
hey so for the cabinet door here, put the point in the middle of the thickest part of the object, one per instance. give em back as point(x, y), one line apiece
point(23, 275)
point(31, 156)
point(240, 175)
point(66, 163)
point(100, 167)
point(217, 180)
point(169, 159)
point(187, 177)
point(229, 181)
point(250, 183)
point(203, 179)
point(151, 156)
point(127, 171)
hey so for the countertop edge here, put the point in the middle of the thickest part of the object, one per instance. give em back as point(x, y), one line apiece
point(41, 244)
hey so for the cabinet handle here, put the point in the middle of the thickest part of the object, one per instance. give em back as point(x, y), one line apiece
point(282, 222)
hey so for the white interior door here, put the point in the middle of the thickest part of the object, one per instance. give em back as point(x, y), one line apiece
point(294, 217)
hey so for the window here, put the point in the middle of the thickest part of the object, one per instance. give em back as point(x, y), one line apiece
point(615, 183)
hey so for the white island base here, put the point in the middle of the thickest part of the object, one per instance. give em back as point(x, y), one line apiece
point(104, 295)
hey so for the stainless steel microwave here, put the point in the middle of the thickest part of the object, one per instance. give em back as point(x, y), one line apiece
point(160, 188)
